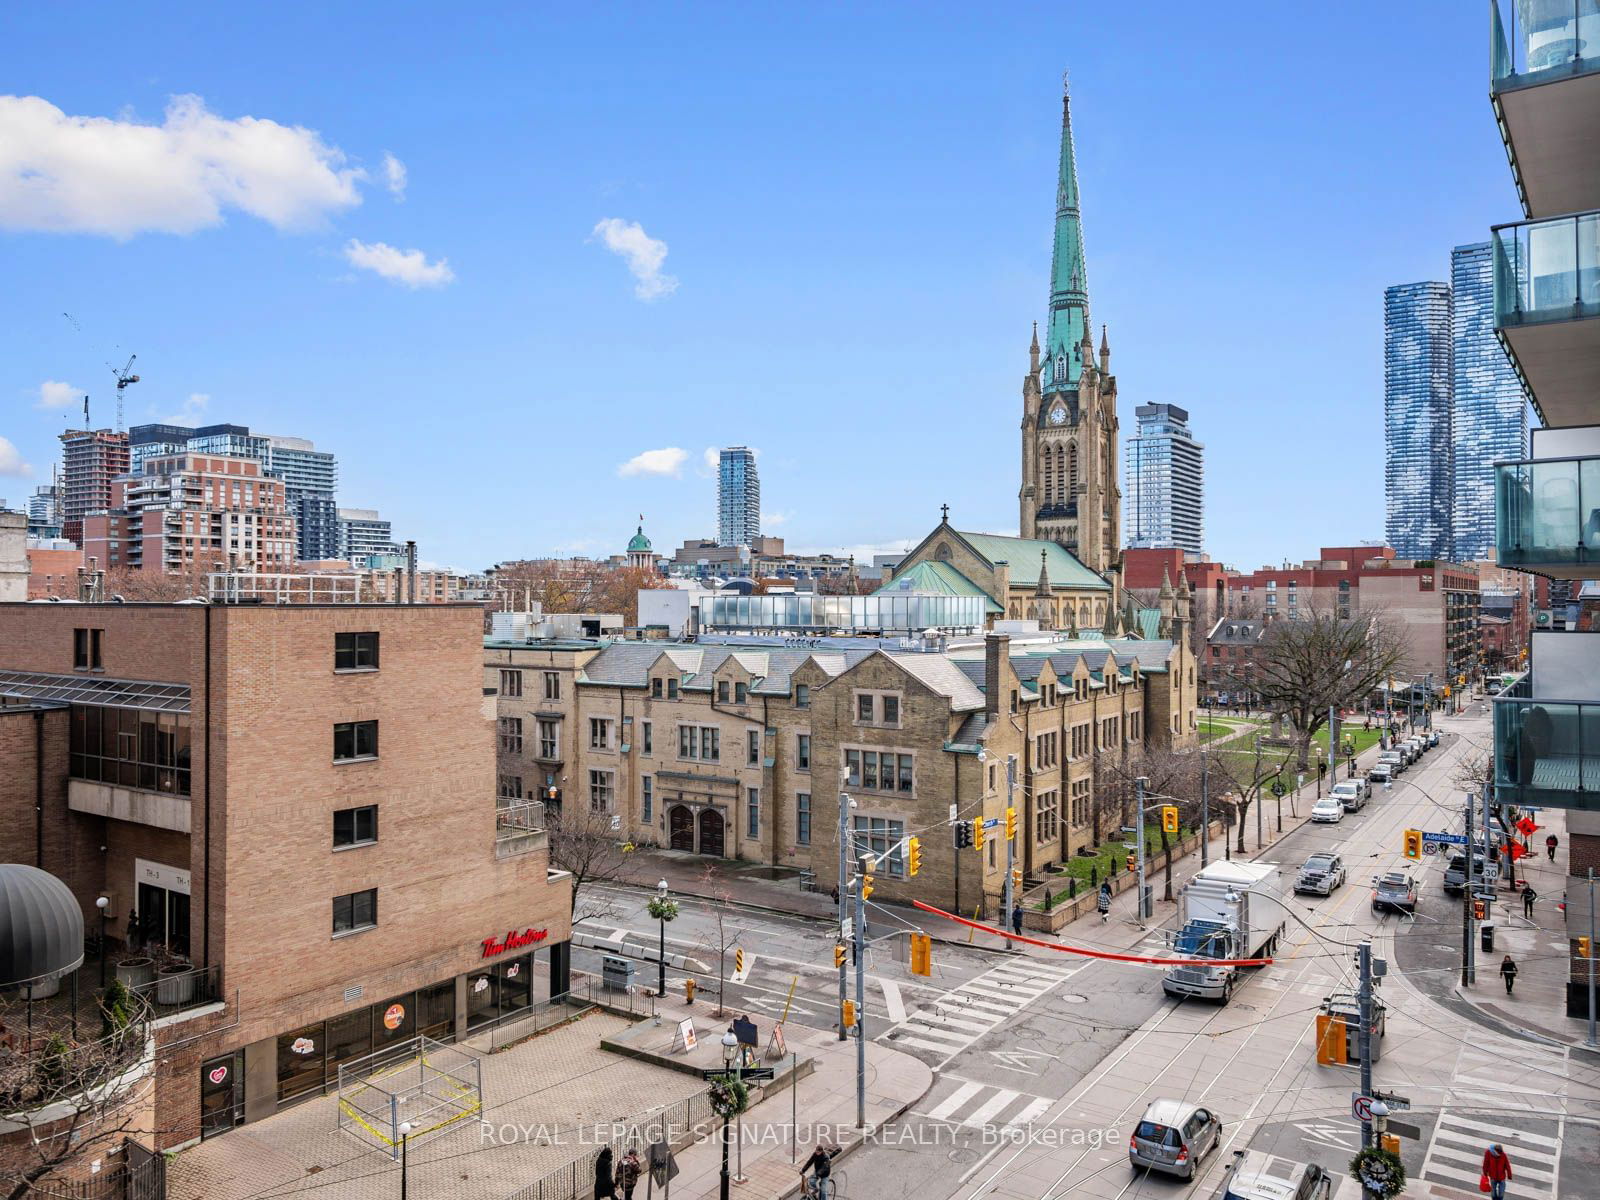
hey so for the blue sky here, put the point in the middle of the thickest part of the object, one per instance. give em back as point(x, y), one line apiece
point(819, 230)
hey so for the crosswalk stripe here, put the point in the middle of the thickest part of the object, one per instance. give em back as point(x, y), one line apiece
point(945, 1019)
point(955, 1100)
point(1499, 1133)
point(962, 1000)
point(1472, 1162)
point(1030, 1114)
point(1000, 1101)
point(922, 1045)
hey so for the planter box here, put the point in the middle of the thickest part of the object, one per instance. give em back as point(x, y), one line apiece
point(135, 973)
point(175, 985)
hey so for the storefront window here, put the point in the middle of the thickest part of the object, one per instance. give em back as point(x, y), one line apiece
point(300, 1062)
point(499, 991)
point(394, 1020)
point(436, 1010)
point(349, 1038)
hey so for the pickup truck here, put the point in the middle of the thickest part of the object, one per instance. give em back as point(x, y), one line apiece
point(1352, 793)
point(1382, 773)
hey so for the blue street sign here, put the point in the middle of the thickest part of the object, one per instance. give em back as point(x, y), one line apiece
point(994, 823)
point(1448, 839)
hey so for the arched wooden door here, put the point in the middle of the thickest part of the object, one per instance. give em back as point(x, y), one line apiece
point(711, 833)
point(680, 828)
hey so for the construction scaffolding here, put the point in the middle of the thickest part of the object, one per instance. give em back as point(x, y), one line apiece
point(321, 587)
point(408, 1091)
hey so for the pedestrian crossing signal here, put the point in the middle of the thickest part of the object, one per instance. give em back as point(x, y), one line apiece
point(1583, 947)
point(1016, 880)
point(849, 1014)
point(838, 954)
point(738, 961)
point(1169, 818)
point(1480, 910)
point(913, 856)
point(866, 886)
point(1132, 863)
point(977, 833)
point(1011, 823)
point(921, 954)
point(1413, 843)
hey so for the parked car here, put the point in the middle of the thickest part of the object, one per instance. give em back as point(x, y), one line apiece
point(1394, 759)
point(1320, 873)
point(1455, 872)
point(1381, 773)
point(1366, 788)
point(1351, 794)
point(1395, 891)
point(1433, 738)
point(1255, 1175)
point(1328, 809)
point(1172, 1138)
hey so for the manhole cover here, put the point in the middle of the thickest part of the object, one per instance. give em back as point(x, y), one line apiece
point(1074, 998)
point(963, 1154)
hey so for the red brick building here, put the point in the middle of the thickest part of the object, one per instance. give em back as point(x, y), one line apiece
point(298, 802)
point(90, 460)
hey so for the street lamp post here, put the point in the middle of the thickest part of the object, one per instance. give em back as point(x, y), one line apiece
point(730, 1047)
point(405, 1138)
point(103, 903)
point(661, 982)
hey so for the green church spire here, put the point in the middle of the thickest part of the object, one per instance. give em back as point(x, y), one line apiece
point(1069, 285)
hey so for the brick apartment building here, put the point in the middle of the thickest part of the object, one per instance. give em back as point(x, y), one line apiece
point(191, 512)
point(736, 748)
point(90, 460)
point(296, 800)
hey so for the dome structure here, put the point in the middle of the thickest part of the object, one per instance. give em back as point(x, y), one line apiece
point(639, 544)
point(41, 926)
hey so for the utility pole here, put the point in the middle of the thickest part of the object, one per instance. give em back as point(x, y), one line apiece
point(1011, 844)
point(1205, 812)
point(1364, 1035)
point(1333, 745)
point(1138, 824)
point(862, 868)
point(844, 897)
point(1469, 889)
point(1592, 1042)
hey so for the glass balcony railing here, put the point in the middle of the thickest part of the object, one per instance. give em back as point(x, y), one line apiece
point(1547, 270)
point(1547, 513)
point(1547, 752)
point(1533, 41)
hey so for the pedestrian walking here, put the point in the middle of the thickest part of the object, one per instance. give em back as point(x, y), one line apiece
point(605, 1183)
point(1550, 847)
point(628, 1172)
point(1496, 1170)
point(1528, 897)
point(1508, 972)
point(1016, 919)
point(1103, 901)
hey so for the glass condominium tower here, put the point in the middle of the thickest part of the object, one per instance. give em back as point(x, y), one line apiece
point(1165, 474)
point(738, 497)
point(1417, 384)
point(1489, 412)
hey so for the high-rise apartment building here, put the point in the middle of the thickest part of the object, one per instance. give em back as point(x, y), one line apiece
point(90, 460)
point(1417, 379)
point(1489, 410)
point(1165, 477)
point(363, 532)
point(310, 476)
point(738, 497)
point(44, 511)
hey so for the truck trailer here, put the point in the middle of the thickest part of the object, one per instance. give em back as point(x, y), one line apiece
point(1228, 910)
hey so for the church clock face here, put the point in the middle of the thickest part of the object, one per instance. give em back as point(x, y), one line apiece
point(1058, 415)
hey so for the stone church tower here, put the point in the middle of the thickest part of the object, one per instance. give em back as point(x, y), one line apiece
point(1069, 404)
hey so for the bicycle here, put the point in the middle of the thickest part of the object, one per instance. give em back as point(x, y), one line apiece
point(831, 1188)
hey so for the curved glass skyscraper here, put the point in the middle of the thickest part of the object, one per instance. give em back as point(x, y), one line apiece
point(1417, 382)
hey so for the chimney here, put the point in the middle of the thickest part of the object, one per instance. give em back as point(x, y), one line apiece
point(411, 572)
point(996, 649)
point(399, 585)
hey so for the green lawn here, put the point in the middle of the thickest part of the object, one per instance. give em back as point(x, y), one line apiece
point(1083, 868)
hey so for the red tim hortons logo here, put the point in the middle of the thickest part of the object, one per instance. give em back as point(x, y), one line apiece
point(513, 941)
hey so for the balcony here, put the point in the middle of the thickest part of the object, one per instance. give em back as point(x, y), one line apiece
point(140, 806)
point(1546, 301)
point(1547, 512)
point(519, 827)
point(1547, 726)
point(1544, 83)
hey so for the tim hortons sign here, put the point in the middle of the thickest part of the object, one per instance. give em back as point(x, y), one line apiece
point(513, 941)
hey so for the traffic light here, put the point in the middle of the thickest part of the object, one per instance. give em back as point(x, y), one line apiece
point(1583, 947)
point(738, 960)
point(838, 954)
point(977, 833)
point(866, 886)
point(913, 856)
point(921, 954)
point(1011, 823)
point(1133, 863)
point(1016, 881)
point(1413, 846)
point(1169, 818)
point(963, 835)
point(1480, 910)
point(849, 1013)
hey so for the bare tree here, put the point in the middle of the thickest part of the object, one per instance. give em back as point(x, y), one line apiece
point(719, 942)
point(577, 585)
point(1248, 776)
point(1171, 777)
point(584, 844)
point(1316, 661)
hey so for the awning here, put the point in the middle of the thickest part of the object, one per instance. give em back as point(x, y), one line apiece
point(95, 689)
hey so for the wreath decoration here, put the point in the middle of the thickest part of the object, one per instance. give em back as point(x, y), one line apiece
point(1379, 1172)
point(730, 1096)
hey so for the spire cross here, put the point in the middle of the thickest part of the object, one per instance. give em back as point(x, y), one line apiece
point(944, 513)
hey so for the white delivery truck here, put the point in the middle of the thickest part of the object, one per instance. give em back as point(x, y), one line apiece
point(1228, 910)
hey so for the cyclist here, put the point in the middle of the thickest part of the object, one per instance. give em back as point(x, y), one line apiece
point(820, 1164)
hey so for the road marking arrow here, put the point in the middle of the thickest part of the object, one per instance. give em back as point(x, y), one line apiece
point(1020, 1060)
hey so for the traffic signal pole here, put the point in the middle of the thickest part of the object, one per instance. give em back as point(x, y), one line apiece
point(1467, 892)
point(863, 867)
point(1011, 845)
point(1138, 823)
point(1592, 1042)
point(844, 897)
point(1364, 1035)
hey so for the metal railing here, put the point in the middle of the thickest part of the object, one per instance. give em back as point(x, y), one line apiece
point(174, 990)
point(519, 817)
point(1547, 511)
point(1545, 749)
point(1547, 270)
point(1549, 38)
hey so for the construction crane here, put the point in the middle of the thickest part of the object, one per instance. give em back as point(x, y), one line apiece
point(124, 378)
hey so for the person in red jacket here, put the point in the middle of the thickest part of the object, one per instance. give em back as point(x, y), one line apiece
point(1497, 1170)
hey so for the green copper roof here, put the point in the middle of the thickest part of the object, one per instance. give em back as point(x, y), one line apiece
point(1148, 624)
point(1021, 555)
point(940, 579)
point(638, 544)
point(1069, 283)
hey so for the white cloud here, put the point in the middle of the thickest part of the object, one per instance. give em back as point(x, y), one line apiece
point(55, 394)
point(775, 518)
point(120, 177)
point(666, 463)
point(192, 409)
point(11, 461)
point(394, 176)
point(644, 255)
point(409, 268)
point(710, 461)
